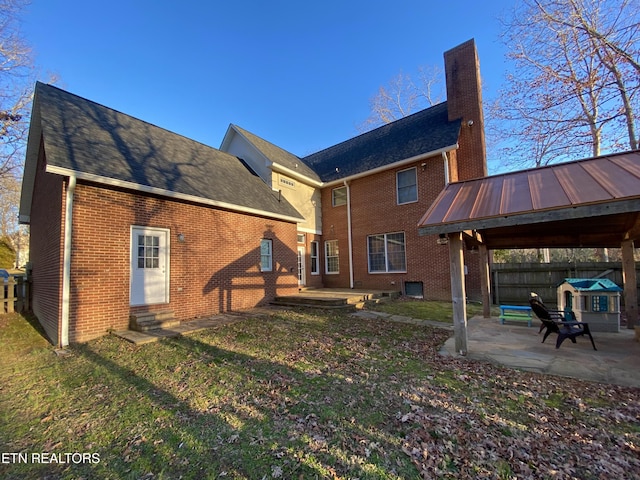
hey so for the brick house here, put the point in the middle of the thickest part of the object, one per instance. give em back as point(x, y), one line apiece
point(363, 198)
point(126, 217)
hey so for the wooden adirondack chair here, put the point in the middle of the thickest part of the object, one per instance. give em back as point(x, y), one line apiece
point(556, 322)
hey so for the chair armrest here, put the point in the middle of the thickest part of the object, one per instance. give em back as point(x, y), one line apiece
point(574, 324)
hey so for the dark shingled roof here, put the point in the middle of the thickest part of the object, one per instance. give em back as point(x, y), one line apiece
point(279, 155)
point(85, 137)
point(426, 131)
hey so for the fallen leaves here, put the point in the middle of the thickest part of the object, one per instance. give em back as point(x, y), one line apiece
point(304, 395)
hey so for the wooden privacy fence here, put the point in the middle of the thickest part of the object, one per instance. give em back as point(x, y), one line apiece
point(15, 295)
point(512, 282)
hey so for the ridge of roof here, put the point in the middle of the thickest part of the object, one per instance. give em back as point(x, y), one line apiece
point(82, 136)
point(549, 166)
point(278, 154)
point(425, 131)
point(593, 284)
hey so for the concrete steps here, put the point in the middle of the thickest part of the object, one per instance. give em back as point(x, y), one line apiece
point(146, 321)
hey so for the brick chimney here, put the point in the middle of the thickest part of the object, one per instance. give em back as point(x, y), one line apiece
point(464, 101)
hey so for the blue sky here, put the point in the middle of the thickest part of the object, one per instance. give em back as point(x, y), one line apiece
point(299, 74)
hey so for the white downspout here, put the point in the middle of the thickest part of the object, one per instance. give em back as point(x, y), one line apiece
point(446, 168)
point(66, 262)
point(351, 282)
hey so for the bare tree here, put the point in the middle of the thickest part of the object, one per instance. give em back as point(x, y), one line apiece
point(402, 96)
point(16, 87)
point(17, 76)
point(612, 29)
point(575, 80)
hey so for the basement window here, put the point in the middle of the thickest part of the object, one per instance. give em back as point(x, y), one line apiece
point(413, 289)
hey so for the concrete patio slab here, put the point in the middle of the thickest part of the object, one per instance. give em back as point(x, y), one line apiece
point(617, 360)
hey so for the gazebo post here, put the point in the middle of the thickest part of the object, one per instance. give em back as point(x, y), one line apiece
point(458, 294)
point(630, 283)
point(485, 280)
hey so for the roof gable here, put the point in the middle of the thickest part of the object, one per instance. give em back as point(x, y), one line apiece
point(277, 155)
point(421, 133)
point(95, 142)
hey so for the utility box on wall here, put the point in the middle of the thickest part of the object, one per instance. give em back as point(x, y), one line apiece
point(595, 301)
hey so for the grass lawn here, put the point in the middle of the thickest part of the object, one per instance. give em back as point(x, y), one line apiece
point(428, 309)
point(299, 395)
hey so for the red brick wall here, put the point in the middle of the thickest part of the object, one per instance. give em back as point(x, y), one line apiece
point(45, 248)
point(215, 269)
point(313, 281)
point(375, 211)
point(334, 227)
point(464, 100)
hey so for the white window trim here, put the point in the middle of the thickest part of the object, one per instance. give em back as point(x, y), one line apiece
point(270, 255)
point(333, 197)
point(326, 259)
point(386, 254)
point(398, 187)
point(317, 257)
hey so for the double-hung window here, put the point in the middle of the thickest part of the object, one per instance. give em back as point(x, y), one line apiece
point(315, 266)
point(387, 253)
point(407, 186)
point(331, 258)
point(339, 196)
point(266, 255)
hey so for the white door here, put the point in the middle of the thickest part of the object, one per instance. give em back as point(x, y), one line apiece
point(301, 267)
point(149, 266)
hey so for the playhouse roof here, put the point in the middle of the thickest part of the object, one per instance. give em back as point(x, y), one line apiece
point(592, 284)
point(96, 143)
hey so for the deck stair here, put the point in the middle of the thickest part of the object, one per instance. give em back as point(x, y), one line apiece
point(145, 321)
point(328, 303)
point(340, 299)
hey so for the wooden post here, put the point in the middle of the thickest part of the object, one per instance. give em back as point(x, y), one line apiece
point(485, 281)
point(630, 283)
point(458, 294)
point(11, 298)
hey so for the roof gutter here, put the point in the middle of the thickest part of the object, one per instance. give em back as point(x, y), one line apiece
point(168, 193)
point(66, 262)
point(390, 166)
point(292, 173)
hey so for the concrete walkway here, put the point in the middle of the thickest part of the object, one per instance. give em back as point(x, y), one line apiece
point(617, 360)
point(190, 326)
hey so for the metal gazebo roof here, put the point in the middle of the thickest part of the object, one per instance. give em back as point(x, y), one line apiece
point(587, 203)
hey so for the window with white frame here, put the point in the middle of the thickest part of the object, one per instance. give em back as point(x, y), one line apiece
point(266, 255)
point(315, 265)
point(407, 186)
point(339, 196)
point(387, 253)
point(331, 258)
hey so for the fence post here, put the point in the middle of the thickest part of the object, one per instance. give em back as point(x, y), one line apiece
point(11, 294)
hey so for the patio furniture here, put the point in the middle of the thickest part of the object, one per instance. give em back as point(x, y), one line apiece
point(555, 322)
point(515, 312)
